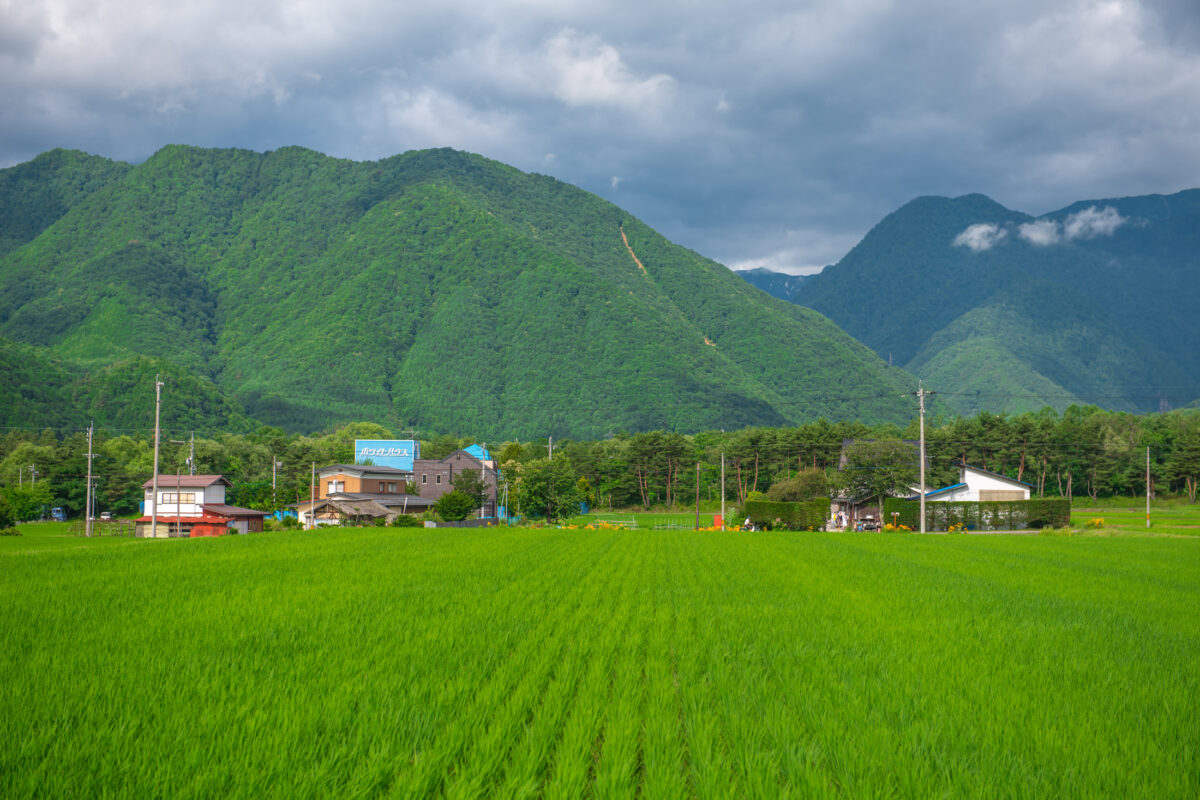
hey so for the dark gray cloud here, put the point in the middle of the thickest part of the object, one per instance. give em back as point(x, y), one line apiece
point(761, 133)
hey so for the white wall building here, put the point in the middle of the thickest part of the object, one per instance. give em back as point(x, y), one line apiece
point(184, 495)
point(980, 485)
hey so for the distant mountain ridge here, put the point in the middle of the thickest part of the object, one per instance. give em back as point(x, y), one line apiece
point(776, 284)
point(434, 288)
point(1004, 311)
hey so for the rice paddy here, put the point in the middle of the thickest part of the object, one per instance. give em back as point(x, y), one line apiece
point(578, 663)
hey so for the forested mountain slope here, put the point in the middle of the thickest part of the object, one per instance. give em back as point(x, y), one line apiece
point(35, 194)
point(1003, 311)
point(434, 288)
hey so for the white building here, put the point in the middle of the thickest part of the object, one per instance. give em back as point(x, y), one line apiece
point(184, 495)
point(193, 505)
point(980, 485)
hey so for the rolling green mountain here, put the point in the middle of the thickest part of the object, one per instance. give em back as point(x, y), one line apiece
point(435, 288)
point(35, 194)
point(41, 390)
point(1003, 311)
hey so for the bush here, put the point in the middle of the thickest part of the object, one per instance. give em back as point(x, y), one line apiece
point(9, 532)
point(455, 505)
point(6, 515)
point(406, 521)
point(980, 516)
point(811, 515)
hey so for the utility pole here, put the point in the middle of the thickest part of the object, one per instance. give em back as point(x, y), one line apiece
point(154, 481)
point(87, 497)
point(697, 495)
point(274, 465)
point(191, 451)
point(312, 498)
point(192, 455)
point(550, 452)
point(1147, 487)
point(722, 490)
point(921, 406)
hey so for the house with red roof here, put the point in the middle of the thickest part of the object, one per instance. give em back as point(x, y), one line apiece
point(194, 505)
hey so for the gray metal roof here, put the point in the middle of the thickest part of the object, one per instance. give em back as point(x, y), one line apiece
point(364, 468)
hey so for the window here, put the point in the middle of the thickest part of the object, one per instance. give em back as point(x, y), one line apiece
point(391, 488)
point(175, 497)
point(437, 478)
point(337, 486)
point(424, 478)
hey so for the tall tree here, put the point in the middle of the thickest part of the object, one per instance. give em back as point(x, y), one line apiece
point(550, 488)
point(880, 469)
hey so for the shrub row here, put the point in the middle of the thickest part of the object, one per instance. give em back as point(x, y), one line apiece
point(789, 516)
point(1010, 515)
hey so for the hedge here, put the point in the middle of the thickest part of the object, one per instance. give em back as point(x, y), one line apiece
point(1010, 515)
point(768, 514)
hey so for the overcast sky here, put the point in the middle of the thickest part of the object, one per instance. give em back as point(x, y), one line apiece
point(758, 133)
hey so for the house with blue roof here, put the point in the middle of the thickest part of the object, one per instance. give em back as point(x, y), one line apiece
point(976, 484)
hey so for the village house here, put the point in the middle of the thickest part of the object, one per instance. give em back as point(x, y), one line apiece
point(978, 485)
point(361, 479)
point(358, 493)
point(434, 477)
point(193, 505)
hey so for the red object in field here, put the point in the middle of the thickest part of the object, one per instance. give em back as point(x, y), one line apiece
point(718, 521)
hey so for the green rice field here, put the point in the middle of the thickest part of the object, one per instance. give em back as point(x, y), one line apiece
point(576, 663)
point(1174, 519)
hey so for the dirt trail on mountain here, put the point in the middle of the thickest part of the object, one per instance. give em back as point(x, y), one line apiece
point(642, 267)
point(633, 255)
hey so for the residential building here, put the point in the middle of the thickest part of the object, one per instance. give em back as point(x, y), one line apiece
point(434, 477)
point(361, 479)
point(193, 505)
point(341, 508)
point(979, 485)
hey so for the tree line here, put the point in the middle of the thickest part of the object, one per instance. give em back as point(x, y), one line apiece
point(1083, 452)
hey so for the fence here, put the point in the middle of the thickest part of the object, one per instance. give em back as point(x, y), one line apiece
point(1010, 515)
point(104, 527)
point(490, 522)
point(617, 522)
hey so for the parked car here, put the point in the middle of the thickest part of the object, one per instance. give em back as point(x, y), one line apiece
point(106, 515)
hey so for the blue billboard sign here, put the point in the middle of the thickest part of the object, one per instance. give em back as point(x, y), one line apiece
point(398, 453)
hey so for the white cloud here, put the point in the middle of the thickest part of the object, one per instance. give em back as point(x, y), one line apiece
point(981, 236)
point(798, 251)
point(589, 72)
point(1086, 224)
point(615, 181)
point(428, 118)
point(1093, 222)
point(1042, 232)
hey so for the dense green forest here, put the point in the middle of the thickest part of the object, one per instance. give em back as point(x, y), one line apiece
point(1092, 303)
point(434, 289)
point(1083, 452)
